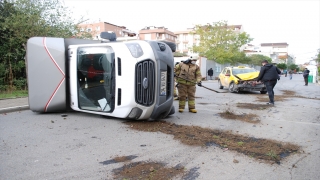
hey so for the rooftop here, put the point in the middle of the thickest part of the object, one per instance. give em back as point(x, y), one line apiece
point(275, 44)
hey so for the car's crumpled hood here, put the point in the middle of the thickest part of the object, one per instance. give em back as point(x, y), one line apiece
point(248, 76)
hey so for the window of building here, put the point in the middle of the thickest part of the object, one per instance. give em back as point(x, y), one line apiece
point(98, 28)
point(147, 37)
point(185, 36)
point(89, 29)
point(218, 68)
point(81, 30)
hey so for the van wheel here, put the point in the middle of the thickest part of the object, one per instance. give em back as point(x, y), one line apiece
point(263, 92)
point(231, 87)
point(171, 45)
point(220, 85)
point(172, 111)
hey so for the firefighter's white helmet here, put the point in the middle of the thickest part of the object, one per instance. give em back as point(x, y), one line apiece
point(194, 57)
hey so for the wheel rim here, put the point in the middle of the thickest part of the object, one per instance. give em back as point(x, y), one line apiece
point(231, 87)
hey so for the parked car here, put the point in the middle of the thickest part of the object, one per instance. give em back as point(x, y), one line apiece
point(240, 78)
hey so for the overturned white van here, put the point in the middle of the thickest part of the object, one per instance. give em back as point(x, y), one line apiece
point(131, 79)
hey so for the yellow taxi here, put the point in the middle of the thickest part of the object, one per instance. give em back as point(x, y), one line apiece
point(240, 78)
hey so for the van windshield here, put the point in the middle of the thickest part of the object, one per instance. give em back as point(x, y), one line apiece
point(95, 75)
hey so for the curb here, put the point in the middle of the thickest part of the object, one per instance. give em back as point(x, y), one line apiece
point(12, 98)
point(13, 109)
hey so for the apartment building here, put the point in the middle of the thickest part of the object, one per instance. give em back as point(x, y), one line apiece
point(157, 33)
point(278, 52)
point(96, 28)
point(186, 39)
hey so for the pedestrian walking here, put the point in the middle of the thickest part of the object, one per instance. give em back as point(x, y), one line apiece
point(269, 75)
point(285, 73)
point(306, 76)
point(210, 73)
point(188, 74)
point(290, 74)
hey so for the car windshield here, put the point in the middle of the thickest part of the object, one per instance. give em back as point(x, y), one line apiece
point(95, 76)
point(243, 71)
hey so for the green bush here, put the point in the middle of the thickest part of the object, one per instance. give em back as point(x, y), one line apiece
point(282, 66)
point(20, 84)
point(178, 54)
point(3, 88)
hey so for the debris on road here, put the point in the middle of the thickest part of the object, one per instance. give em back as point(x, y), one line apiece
point(261, 149)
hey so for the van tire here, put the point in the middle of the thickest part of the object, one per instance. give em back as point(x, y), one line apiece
point(172, 111)
point(171, 45)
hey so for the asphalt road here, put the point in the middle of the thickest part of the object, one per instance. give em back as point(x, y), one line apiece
point(49, 146)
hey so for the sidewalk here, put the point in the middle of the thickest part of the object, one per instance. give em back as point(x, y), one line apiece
point(13, 104)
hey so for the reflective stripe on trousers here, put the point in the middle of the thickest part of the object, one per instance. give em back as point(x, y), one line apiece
point(185, 91)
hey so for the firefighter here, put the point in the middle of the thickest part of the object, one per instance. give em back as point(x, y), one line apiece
point(187, 75)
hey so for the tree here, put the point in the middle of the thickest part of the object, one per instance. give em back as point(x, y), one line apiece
point(293, 67)
point(23, 19)
point(220, 43)
point(6, 46)
point(256, 59)
point(282, 66)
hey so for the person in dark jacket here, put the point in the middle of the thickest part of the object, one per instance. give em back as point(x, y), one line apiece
point(269, 75)
point(305, 76)
point(210, 73)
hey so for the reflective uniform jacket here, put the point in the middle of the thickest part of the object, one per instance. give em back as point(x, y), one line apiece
point(188, 74)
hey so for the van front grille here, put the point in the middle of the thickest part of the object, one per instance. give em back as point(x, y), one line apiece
point(145, 83)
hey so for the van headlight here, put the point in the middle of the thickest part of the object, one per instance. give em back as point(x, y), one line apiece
point(135, 113)
point(135, 49)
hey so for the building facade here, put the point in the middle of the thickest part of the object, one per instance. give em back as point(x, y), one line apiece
point(186, 39)
point(157, 33)
point(278, 52)
point(96, 28)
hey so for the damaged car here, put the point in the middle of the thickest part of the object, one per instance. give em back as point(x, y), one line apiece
point(240, 78)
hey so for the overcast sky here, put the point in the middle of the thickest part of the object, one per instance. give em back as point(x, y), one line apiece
point(295, 22)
